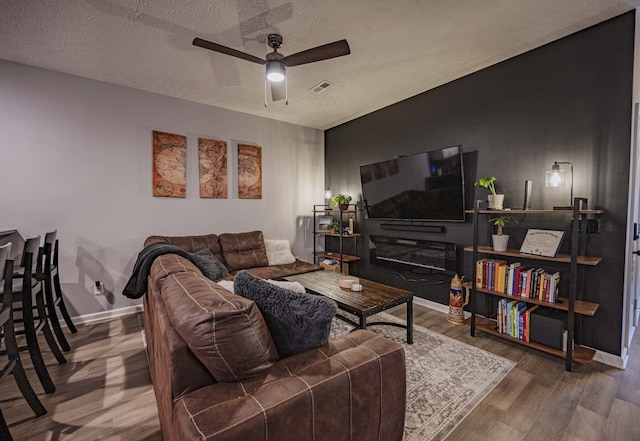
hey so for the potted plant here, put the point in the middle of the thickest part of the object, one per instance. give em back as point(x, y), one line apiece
point(334, 227)
point(342, 200)
point(500, 240)
point(495, 200)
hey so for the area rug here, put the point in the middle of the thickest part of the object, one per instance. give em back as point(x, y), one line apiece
point(446, 379)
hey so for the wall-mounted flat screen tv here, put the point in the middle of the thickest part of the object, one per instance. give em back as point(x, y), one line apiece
point(425, 186)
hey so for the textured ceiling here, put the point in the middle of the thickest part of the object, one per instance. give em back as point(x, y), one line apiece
point(399, 48)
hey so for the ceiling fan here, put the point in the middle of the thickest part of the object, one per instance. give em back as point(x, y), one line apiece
point(276, 63)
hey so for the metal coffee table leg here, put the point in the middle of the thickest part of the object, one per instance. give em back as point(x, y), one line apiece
point(410, 321)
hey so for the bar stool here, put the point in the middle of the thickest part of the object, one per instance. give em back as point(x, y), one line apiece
point(52, 273)
point(14, 364)
point(25, 290)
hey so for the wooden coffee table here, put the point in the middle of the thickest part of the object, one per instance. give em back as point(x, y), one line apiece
point(375, 297)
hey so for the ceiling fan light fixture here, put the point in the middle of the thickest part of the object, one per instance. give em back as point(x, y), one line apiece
point(276, 63)
point(276, 71)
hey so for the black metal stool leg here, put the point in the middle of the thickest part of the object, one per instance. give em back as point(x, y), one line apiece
point(14, 363)
point(27, 391)
point(32, 339)
point(59, 302)
point(44, 324)
point(49, 302)
point(4, 430)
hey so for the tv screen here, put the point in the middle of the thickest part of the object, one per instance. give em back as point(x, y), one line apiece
point(423, 186)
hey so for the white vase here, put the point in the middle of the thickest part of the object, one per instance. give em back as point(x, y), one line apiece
point(495, 201)
point(500, 242)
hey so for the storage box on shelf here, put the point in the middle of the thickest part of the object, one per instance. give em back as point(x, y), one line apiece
point(346, 218)
point(571, 305)
point(336, 267)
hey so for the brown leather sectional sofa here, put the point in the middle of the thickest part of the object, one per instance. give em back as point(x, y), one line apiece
point(217, 376)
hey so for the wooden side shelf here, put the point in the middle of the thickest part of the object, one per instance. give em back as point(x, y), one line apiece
point(336, 256)
point(575, 309)
point(326, 233)
point(581, 307)
point(534, 211)
point(333, 210)
point(335, 244)
point(581, 354)
point(564, 258)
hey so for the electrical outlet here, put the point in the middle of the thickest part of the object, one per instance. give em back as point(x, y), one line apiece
point(98, 288)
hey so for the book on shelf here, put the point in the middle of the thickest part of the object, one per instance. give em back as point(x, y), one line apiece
point(510, 276)
point(518, 331)
point(502, 272)
point(513, 318)
point(528, 321)
point(517, 280)
point(479, 269)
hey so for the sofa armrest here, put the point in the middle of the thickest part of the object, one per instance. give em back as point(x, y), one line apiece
point(175, 370)
point(353, 387)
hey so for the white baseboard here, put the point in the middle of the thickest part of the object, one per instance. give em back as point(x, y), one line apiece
point(435, 306)
point(616, 361)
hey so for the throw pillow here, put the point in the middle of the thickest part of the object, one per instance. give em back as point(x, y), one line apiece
point(226, 332)
point(209, 264)
point(298, 322)
point(291, 286)
point(278, 252)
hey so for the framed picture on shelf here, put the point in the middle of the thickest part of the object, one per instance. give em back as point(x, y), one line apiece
point(542, 242)
point(323, 222)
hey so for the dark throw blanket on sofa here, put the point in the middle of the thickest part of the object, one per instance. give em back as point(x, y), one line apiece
point(137, 284)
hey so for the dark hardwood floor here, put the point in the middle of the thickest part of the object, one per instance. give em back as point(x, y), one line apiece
point(104, 392)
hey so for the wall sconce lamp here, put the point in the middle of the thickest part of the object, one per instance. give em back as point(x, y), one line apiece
point(555, 178)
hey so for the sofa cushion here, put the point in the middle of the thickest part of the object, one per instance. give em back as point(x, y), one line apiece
point(209, 264)
point(280, 271)
point(298, 322)
point(243, 250)
point(190, 243)
point(278, 252)
point(226, 332)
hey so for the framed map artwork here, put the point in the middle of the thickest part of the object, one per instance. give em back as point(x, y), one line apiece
point(169, 165)
point(212, 158)
point(249, 171)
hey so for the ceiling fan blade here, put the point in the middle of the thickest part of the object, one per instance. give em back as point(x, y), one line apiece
point(324, 52)
point(226, 50)
point(278, 90)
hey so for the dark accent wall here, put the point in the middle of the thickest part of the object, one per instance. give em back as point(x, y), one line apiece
point(570, 100)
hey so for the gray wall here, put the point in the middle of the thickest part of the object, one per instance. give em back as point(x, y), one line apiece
point(76, 156)
point(570, 100)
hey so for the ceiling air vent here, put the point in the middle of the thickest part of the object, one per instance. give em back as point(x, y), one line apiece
point(321, 87)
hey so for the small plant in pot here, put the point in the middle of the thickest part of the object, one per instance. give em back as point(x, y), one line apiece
point(500, 240)
point(341, 200)
point(495, 200)
point(334, 227)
